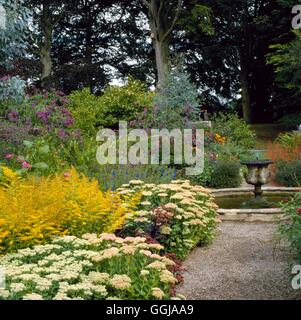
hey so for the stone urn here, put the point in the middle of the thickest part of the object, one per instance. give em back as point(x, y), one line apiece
point(258, 174)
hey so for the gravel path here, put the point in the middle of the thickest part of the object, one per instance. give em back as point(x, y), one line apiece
point(244, 262)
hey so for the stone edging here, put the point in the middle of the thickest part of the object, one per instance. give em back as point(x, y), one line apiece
point(251, 215)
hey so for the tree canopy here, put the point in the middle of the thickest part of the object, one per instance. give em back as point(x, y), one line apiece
point(230, 48)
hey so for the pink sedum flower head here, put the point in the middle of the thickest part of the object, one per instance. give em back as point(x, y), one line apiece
point(26, 165)
point(9, 156)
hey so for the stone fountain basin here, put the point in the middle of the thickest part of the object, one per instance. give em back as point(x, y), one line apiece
point(252, 215)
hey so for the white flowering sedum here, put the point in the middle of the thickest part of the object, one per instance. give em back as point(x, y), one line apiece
point(190, 214)
point(104, 267)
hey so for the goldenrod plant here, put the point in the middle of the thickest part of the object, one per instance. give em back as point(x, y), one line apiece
point(34, 210)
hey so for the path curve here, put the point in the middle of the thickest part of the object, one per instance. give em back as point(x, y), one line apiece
point(244, 262)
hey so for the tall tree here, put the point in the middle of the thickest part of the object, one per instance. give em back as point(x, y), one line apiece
point(229, 66)
point(163, 16)
point(46, 15)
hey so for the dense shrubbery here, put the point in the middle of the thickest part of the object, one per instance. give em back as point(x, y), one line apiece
point(226, 144)
point(291, 120)
point(225, 175)
point(175, 106)
point(116, 104)
point(234, 129)
point(178, 215)
point(36, 209)
point(286, 152)
point(35, 117)
point(289, 173)
point(220, 174)
point(290, 226)
point(91, 268)
point(44, 135)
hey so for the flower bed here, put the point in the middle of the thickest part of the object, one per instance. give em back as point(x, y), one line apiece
point(105, 267)
point(65, 225)
point(178, 215)
point(34, 210)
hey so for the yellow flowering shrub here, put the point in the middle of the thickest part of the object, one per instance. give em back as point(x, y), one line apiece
point(6, 176)
point(34, 210)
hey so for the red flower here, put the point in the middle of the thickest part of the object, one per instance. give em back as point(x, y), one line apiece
point(299, 211)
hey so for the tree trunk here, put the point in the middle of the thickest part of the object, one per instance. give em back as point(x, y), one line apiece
point(163, 17)
point(245, 62)
point(162, 60)
point(45, 51)
point(246, 101)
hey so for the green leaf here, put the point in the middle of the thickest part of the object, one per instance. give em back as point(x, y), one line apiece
point(44, 150)
point(28, 144)
point(41, 165)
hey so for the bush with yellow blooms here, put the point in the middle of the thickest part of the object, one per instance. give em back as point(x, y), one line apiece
point(34, 210)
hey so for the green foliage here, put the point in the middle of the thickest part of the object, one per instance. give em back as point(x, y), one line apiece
point(231, 151)
point(198, 19)
point(85, 108)
point(290, 225)
point(39, 157)
point(287, 62)
point(176, 103)
point(123, 103)
point(226, 175)
point(116, 104)
point(205, 178)
point(13, 36)
point(292, 120)
point(289, 173)
point(289, 140)
point(12, 89)
point(234, 129)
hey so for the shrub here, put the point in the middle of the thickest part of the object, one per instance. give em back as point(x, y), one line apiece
point(116, 104)
point(176, 103)
point(36, 156)
point(290, 140)
point(39, 116)
point(219, 174)
point(36, 209)
point(226, 175)
point(178, 215)
point(289, 173)
point(89, 268)
point(123, 103)
point(204, 179)
point(235, 130)
point(290, 225)
point(85, 109)
point(291, 120)
point(230, 151)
